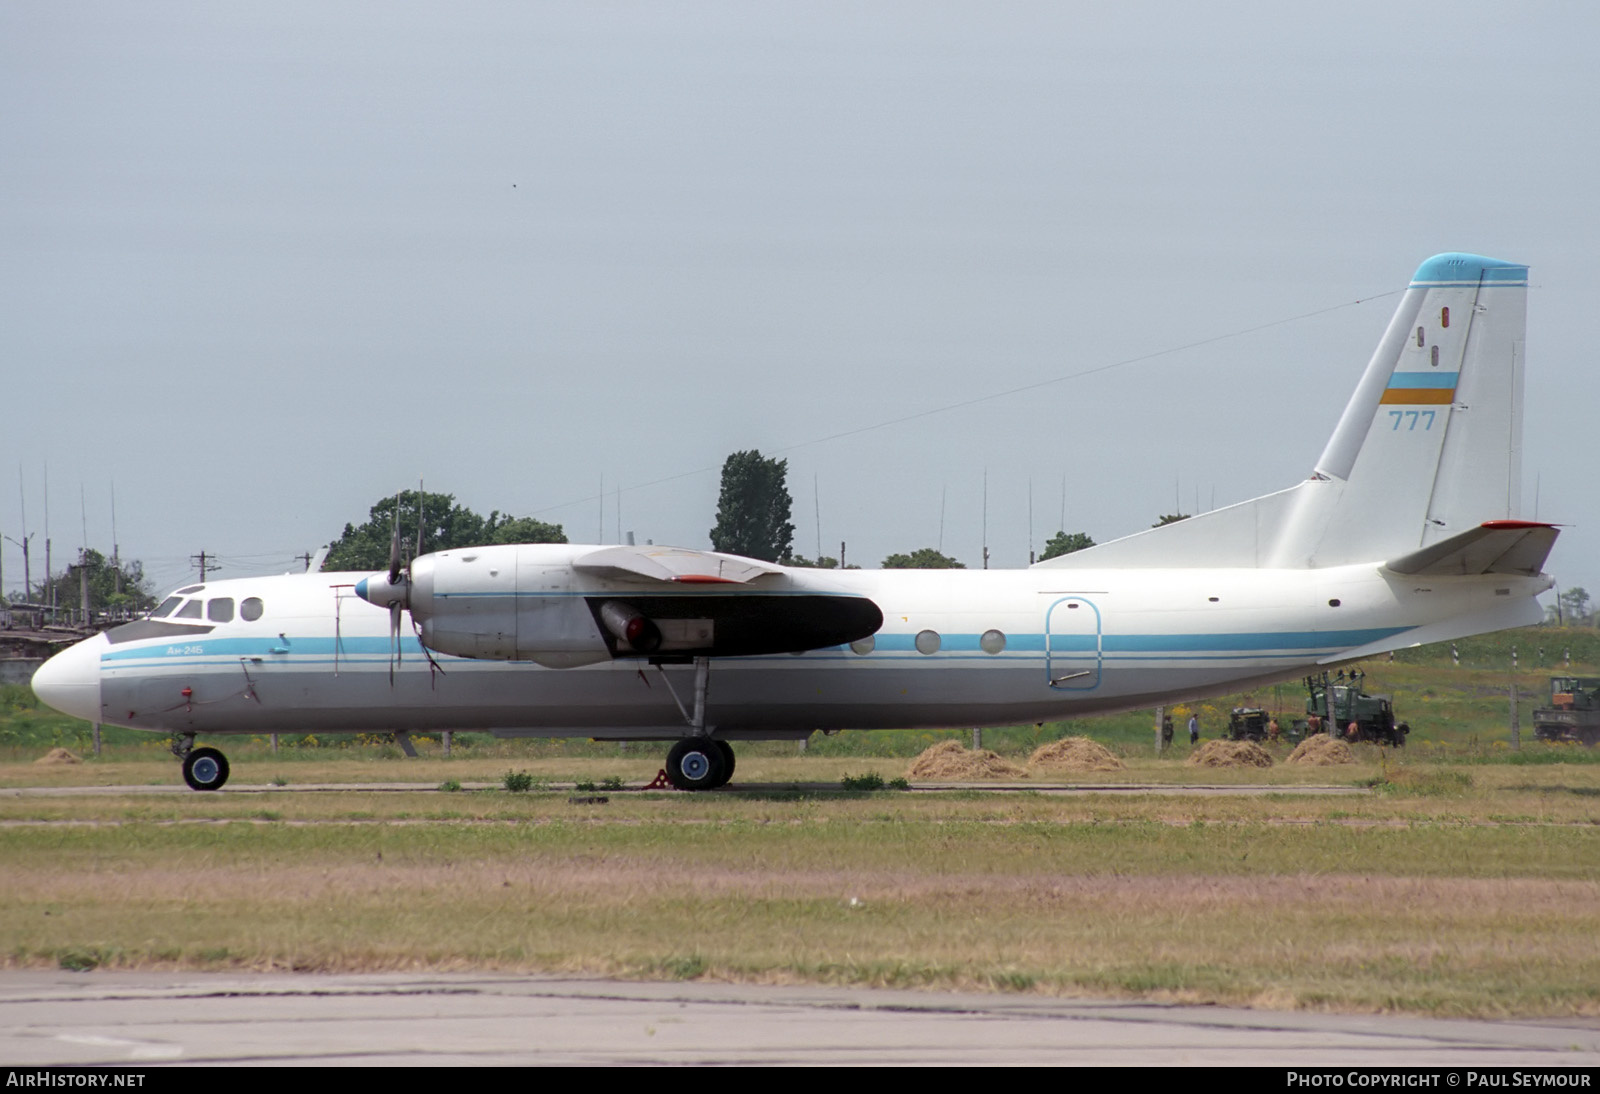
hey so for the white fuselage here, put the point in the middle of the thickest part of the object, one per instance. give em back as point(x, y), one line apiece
point(956, 648)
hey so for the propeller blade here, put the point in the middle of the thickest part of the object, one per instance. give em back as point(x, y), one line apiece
point(394, 546)
point(394, 639)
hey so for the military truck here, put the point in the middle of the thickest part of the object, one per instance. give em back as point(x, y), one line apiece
point(1373, 715)
point(1573, 713)
point(1247, 724)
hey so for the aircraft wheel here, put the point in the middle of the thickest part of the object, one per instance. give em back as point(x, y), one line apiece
point(205, 769)
point(728, 762)
point(696, 763)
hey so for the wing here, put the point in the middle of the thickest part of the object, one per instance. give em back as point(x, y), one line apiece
point(679, 564)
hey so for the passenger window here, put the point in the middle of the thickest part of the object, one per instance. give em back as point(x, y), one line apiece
point(250, 610)
point(190, 610)
point(220, 610)
point(166, 607)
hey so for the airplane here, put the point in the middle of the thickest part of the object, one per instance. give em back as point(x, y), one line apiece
point(1407, 531)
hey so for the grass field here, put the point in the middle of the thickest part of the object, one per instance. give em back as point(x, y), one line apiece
point(1460, 880)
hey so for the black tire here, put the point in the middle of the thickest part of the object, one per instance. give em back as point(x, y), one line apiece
point(696, 763)
point(205, 769)
point(729, 761)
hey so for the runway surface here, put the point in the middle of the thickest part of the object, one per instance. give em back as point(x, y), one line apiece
point(1126, 789)
point(185, 1018)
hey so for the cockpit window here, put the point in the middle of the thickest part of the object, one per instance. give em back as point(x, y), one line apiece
point(166, 607)
point(251, 609)
point(190, 610)
point(220, 610)
point(187, 589)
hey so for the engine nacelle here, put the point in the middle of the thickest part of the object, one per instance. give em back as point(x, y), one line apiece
point(509, 603)
point(530, 603)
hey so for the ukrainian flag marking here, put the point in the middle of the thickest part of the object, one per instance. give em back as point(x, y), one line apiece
point(1421, 388)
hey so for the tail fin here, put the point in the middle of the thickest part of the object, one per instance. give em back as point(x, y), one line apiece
point(1428, 447)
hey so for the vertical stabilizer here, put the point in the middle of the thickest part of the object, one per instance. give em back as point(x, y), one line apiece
point(1428, 447)
point(1430, 444)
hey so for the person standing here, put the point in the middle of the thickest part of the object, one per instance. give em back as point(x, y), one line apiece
point(1194, 729)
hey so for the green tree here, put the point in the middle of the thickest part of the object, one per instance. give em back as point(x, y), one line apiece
point(104, 583)
point(1170, 518)
point(523, 530)
point(1575, 605)
point(753, 508)
point(923, 558)
point(825, 562)
point(445, 525)
point(1063, 543)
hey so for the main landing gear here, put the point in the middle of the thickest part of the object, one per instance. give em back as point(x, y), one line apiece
point(697, 762)
point(203, 768)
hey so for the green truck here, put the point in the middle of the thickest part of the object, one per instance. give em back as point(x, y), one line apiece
point(1573, 713)
point(1373, 715)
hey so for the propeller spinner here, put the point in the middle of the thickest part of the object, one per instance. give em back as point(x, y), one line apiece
point(392, 592)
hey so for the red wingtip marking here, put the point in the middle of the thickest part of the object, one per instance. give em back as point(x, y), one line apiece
point(1516, 524)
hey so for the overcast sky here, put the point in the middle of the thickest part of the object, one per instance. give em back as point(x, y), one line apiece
point(265, 263)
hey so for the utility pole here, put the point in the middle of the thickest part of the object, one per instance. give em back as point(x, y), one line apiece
point(816, 502)
point(1516, 716)
point(49, 577)
point(27, 569)
point(204, 565)
point(116, 562)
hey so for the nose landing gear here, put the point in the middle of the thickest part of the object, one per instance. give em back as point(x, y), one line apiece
point(203, 768)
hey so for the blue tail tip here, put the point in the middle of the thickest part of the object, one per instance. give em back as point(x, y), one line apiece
point(1454, 268)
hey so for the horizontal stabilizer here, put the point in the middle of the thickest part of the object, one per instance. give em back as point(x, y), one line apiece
point(673, 564)
point(1494, 547)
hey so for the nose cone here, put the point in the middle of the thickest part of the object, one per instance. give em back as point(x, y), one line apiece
point(70, 681)
point(377, 590)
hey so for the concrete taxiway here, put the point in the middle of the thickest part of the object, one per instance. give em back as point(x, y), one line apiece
point(138, 1019)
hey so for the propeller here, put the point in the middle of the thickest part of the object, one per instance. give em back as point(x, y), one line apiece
point(393, 590)
point(397, 605)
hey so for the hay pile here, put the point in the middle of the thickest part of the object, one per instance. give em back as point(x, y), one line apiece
point(1075, 754)
point(948, 760)
point(1230, 754)
point(58, 756)
point(1321, 751)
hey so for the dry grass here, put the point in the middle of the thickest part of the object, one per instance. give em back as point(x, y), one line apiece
point(1321, 751)
point(1022, 910)
point(949, 761)
point(1455, 889)
point(1230, 754)
point(1074, 754)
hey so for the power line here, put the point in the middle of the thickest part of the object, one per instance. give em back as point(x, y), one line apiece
point(1035, 386)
